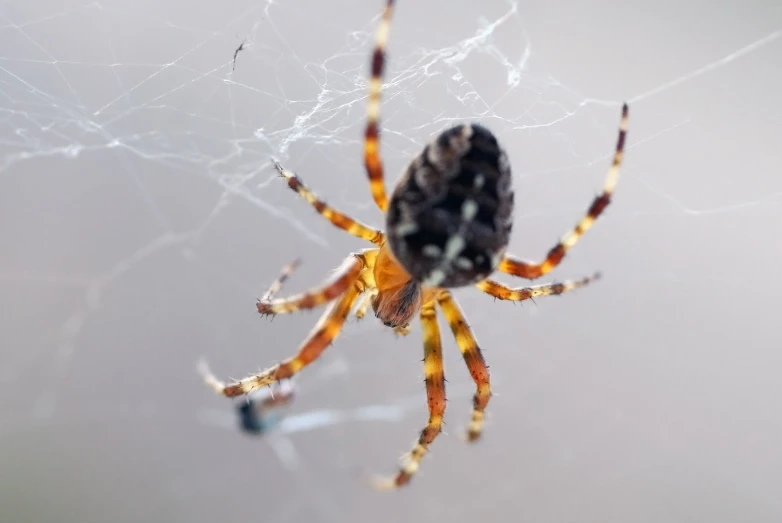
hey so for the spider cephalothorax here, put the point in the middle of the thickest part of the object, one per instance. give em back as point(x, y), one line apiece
point(448, 224)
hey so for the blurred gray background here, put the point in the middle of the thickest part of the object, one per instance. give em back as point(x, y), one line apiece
point(140, 219)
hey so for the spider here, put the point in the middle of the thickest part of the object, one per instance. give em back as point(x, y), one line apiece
point(448, 225)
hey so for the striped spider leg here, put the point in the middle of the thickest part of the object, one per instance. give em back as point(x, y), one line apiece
point(435, 397)
point(503, 292)
point(372, 160)
point(346, 287)
point(339, 219)
point(533, 270)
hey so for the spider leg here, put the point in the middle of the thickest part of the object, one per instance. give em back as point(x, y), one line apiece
point(364, 302)
point(502, 292)
point(341, 220)
point(403, 330)
point(435, 392)
point(473, 357)
point(324, 333)
point(533, 270)
point(275, 287)
point(343, 277)
point(372, 160)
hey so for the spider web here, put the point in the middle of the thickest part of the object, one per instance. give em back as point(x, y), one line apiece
point(140, 218)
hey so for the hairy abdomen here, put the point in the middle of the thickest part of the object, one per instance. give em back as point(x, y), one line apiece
point(450, 215)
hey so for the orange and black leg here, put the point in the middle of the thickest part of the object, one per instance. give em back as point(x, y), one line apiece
point(343, 277)
point(324, 333)
point(503, 292)
point(340, 220)
point(372, 159)
point(435, 395)
point(471, 352)
point(533, 270)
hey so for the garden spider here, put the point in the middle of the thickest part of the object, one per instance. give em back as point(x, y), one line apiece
point(448, 224)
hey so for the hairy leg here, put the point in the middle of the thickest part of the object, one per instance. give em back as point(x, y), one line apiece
point(502, 292)
point(324, 333)
point(435, 394)
point(372, 160)
point(275, 287)
point(533, 270)
point(343, 277)
point(341, 220)
point(471, 353)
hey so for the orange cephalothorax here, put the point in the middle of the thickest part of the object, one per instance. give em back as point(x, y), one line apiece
point(398, 296)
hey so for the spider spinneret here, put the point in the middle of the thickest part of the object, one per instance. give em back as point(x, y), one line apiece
point(448, 223)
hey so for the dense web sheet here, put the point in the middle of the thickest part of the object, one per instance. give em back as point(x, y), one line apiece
point(135, 174)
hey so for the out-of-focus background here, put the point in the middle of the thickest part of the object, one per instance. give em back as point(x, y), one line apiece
point(140, 219)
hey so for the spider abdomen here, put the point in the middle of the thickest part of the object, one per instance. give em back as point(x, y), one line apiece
point(450, 215)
